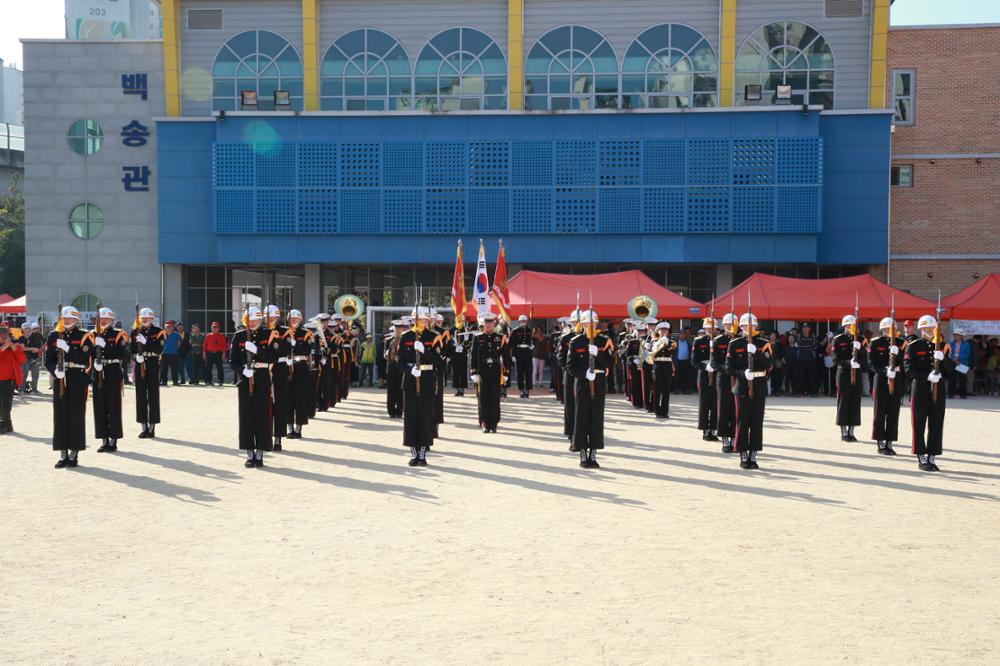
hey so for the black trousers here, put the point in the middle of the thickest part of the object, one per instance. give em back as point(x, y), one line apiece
point(636, 393)
point(329, 387)
point(199, 371)
point(69, 412)
point(557, 379)
point(300, 394)
point(108, 403)
point(6, 402)
point(726, 406)
point(805, 379)
point(313, 393)
point(569, 402)
point(663, 379)
point(685, 380)
point(488, 394)
point(439, 396)
point(708, 401)
point(418, 410)
point(169, 366)
point(648, 387)
point(460, 370)
point(885, 424)
point(927, 418)
point(523, 359)
point(255, 412)
point(958, 383)
point(394, 391)
point(588, 428)
point(214, 360)
point(750, 418)
point(281, 399)
point(848, 397)
point(147, 391)
point(612, 379)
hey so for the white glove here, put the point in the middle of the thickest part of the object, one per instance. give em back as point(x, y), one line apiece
point(140, 338)
point(247, 372)
point(890, 373)
point(292, 340)
point(476, 379)
point(751, 348)
point(934, 377)
point(531, 347)
point(709, 368)
point(322, 361)
point(250, 347)
point(857, 344)
point(591, 375)
point(939, 355)
point(419, 346)
point(62, 344)
point(289, 362)
point(894, 350)
point(637, 362)
point(140, 359)
point(748, 373)
point(99, 341)
point(458, 349)
point(415, 371)
point(60, 374)
point(592, 349)
point(98, 366)
point(855, 365)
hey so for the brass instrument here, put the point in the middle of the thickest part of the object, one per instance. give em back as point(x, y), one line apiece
point(349, 306)
point(642, 307)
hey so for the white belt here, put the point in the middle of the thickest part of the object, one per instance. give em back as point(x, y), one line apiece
point(300, 358)
point(524, 346)
point(664, 360)
point(111, 361)
point(426, 367)
point(75, 366)
point(760, 373)
point(598, 372)
point(260, 366)
point(144, 355)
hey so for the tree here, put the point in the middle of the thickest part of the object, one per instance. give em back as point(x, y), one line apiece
point(12, 240)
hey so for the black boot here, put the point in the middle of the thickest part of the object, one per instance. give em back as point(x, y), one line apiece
point(414, 460)
point(753, 460)
point(843, 434)
point(923, 464)
point(152, 430)
point(72, 462)
point(145, 431)
point(422, 456)
point(745, 460)
point(104, 446)
point(277, 443)
point(584, 459)
point(250, 461)
point(933, 464)
point(593, 459)
point(258, 459)
point(850, 434)
point(112, 445)
point(727, 444)
point(888, 449)
point(711, 436)
point(63, 461)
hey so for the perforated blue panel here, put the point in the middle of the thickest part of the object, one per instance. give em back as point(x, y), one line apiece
point(489, 164)
point(531, 211)
point(620, 162)
point(446, 164)
point(232, 165)
point(275, 211)
point(753, 209)
point(708, 209)
point(800, 209)
point(360, 164)
point(317, 211)
point(403, 164)
point(576, 162)
point(664, 162)
point(489, 211)
point(800, 161)
point(532, 163)
point(233, 211)
point(445, 210)
point(664, 209)
point(360, 211)
point(275, 164)
point(317, 165)
point(403, 211)
point(576, 210)
point(620, 210)
point(708, 161)
point(753, 161)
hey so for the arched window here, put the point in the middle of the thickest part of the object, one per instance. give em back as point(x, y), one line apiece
point(256, 60)
point(366, 70)
point(571, 67)
point(461, 68)
point(787, 53)
point(670, 66)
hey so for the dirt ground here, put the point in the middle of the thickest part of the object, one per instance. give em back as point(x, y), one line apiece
point(503, 550)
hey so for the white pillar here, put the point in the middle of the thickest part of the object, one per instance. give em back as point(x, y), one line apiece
point(314, 295)
point(723, 278)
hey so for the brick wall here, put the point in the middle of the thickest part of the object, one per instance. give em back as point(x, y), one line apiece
point(948, 276)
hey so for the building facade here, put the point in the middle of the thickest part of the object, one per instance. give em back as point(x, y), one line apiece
point(695, 140)
point(945, 198)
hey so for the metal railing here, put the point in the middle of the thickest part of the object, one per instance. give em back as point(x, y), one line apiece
point(11, 137)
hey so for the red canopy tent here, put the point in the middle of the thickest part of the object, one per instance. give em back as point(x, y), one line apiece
point(551, 295)
point(980, 301)
point(5, 298)
point(14, 306)
point(774, 297)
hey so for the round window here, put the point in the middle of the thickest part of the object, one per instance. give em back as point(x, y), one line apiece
point(85, 137)
point(86, 220)
point(85, 303)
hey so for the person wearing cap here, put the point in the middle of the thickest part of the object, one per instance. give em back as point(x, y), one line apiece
point(301, 400)
point(67, 357)
point(461, 337)
point(521, 346)
point(345, 357)
point(590, 360)
point(886, 360)
point(11, 359)
point(569, 379)
point(701, 357)
point(367, 361)
point(283, 359)
point(215, 348)
point(417, 360)
point(486, 366)
point(648, 380)
point(726, 402)
point(748, 361)
point(661, 359)
point(110, 347)
point(623, 366)
point(394, 376)
point(146, 345)
point(926, 361)
point(847, 348)
point(251, 357)
point(330, 352)
point(633, 355)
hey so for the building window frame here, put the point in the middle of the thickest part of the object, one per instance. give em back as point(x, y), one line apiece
point(550, 60)
point(261, 67)
point(807, 63)
point(85, 137)
point(901, 175)
point(85, 302)
point(376, 68)
point(90, 225)
point(677, 53)
point(440, 85)
point(910, 97)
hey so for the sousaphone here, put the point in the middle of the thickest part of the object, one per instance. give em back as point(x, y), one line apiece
point(642, 307)
point(349, 306)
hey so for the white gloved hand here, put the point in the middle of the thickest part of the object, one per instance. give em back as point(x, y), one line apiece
point(98, 366)
point(419, 346)
point(99, 341)
point(751, 348)
point(292, 340)
point(140, 359)
point(709, 368)
point(476, 379)
point(459, 348)
point(415, 371)
point(247, 372)
point(140, 338)
point(250, 347)
point(934, 377)
point(857, 344)
point(592, 349)
point(748, 373)
point(63, 345)
point(591, 375)
point(288, 361)
point(637, 362)
point(890, 373)
point(60, 374)
point(322, 361)
point(894, 350)
point(855, 365)
point(939, 355)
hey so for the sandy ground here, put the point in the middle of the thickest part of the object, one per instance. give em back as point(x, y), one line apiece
point(503, 550)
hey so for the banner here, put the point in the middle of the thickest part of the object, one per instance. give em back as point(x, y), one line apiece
point(98, 19)
point(480, 293)
point(970, 327)
point(500, 293)
point(458, 289)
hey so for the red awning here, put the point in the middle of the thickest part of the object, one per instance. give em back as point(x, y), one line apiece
point(792, 299)
point(980, 301)
point(15, 306)
point(551, 295)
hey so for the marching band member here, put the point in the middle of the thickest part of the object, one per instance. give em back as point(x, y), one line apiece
point(701, 356)
point(724, 386)
point(301, 402)
point(284, 361)
point(487, 372)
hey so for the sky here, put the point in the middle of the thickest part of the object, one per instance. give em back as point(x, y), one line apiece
point(44, 18)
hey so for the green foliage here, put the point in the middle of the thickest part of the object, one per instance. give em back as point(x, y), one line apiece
point(12, 240)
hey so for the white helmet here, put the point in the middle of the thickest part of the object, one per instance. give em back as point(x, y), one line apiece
point(728, 319)
point(523, 318)
point(294, 314)
point(273, 311)
point(69, 312)
point(105, 313)
point(848, 320)
point(419, 313)
point(589, 316)
point(886, 323)
point(254, 313)
point(708, 322)
point(663, 326)
point(927, 321)
point(147, 313)
point(747, 318)
point(574, 316)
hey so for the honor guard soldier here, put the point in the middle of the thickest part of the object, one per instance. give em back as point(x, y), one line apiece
point(301, 381)
point(487, 372)
point(461, 338)
point(251, 357)
point(723, 384)
point(394, 376)
point(748, 361)
point(281, 353)
point(316, 354)
point(67, 357)
point(926, 361)
point(805, 380)
point(621, 348)
point(661, 359)
point(521, 346)
point(887, 393)
point(569, 379)
point(147, 343)
point(590, 358)
point(110, 347)
point(846, 349)
point(701, 356)
point(633, 365)
point(416, 359)
point(441, 363)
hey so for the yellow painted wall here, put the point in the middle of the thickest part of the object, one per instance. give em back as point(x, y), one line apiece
point(170, 13)
point(310, 55)
point(727, 52)
point(879, 51)
point(515, 54)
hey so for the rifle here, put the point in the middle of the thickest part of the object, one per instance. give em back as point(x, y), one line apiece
point(61, 362)
point(892, 341)
point(854, 338)
point(749, 341)
point(590, 339)
point(138, 326)
point(416, 325)
point(711, 343)
point(937, 346)
point(98, 352)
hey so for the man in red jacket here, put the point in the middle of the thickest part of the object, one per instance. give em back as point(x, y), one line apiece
point(11, 360)
point(214, 349)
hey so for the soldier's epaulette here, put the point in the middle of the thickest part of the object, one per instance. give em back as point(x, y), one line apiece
point(162, 334)
point(122, 336)
point(273, 334)
point(308, 336)
point(607, 346)
point(87, 337)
